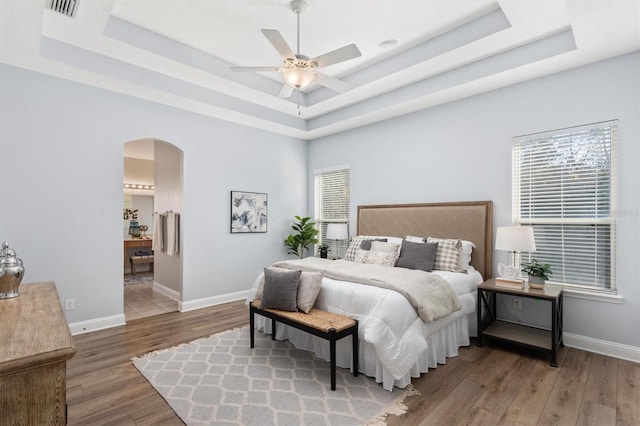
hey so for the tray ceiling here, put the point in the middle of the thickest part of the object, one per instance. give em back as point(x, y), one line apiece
point(178, 53)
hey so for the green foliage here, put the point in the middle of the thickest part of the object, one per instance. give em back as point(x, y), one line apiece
point(304, 236)
point(534, 268)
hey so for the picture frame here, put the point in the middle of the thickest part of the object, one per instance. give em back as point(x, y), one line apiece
point(248, 212)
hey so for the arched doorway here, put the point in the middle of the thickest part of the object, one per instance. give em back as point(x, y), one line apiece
point(153, 187)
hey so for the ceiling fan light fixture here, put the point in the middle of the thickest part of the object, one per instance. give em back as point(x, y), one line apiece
point(300, 72)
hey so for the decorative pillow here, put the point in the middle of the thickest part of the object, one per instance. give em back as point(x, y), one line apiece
point(308, 290)
point(260, 281)
point(448, 254)
point(376, 257)
point(354, 247)
point(414, 239)
point(280, 289)
point(464, 263)
point(417, 255)
point(385, 247)
point(366, 244)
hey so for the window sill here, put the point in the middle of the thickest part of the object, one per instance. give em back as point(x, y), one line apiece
point(592, 295)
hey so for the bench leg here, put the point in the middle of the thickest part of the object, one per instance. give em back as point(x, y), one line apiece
point(355, 350)
point(332, 351)
point(273, 329)
point(251, 325)
point(133, 269)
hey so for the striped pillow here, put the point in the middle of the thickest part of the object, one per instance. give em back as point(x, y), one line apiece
point(448, 254)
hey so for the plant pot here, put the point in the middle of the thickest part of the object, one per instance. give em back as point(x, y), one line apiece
point(536, 282)
point(323, 254)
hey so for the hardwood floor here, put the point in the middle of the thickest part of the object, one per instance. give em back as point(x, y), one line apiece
point(493, 385)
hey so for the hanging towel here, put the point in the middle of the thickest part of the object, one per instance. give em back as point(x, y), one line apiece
point(158, 233)
point(173, 233)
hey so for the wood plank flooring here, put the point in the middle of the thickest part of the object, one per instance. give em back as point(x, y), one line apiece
point(492, 385)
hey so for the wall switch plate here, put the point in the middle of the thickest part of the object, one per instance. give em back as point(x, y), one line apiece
point(69, 304)
point(517, 304)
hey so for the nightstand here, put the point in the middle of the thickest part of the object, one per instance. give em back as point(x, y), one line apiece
point(490, 326)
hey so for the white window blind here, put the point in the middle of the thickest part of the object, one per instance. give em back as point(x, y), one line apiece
point(565, 188)
point(332, 205)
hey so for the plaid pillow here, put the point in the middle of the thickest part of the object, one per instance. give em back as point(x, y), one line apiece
point(448, 254)
point(354, 246)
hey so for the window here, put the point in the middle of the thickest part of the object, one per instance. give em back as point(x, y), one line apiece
point(332, 204)
point(565, 188)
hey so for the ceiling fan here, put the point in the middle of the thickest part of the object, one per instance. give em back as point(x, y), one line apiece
point(300, 70)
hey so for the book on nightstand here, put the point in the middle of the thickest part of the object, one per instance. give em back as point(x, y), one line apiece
point(509, 283)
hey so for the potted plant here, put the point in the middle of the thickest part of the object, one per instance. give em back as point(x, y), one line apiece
point(323, 249)
point(538, 273)
point(304, 236)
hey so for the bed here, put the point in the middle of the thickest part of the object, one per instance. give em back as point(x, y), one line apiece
point(396, 342)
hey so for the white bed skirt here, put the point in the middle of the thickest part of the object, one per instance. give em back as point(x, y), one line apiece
point(443, 336)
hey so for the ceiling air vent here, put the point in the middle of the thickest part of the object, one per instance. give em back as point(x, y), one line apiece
point(66, 7)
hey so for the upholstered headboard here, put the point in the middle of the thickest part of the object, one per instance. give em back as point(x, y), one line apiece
point(467, 220)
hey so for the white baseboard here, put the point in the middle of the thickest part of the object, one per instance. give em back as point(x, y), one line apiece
point(169, 292)
point(213, 300)
point(603, 347)
point(96, 324)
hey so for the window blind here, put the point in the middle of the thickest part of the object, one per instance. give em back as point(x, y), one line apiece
point(565, 189)
point(332, 205)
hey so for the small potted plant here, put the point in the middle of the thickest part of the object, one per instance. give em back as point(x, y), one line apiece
point(538, 273)
point(323, 249)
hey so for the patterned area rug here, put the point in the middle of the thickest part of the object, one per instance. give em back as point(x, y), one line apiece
point(219, 380)
point(142, 277)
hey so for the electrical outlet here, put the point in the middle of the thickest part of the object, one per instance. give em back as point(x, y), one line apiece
point(517, 304)
point(69, 304)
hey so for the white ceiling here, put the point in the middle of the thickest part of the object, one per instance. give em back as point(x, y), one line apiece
point(178, 53)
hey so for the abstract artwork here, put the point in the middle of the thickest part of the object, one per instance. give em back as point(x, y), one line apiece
point(248, 212)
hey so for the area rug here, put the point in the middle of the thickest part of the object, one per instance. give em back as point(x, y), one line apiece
point(220, 380)
point(139, 278)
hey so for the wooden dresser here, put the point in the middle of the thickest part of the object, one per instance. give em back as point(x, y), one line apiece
point(35, 344)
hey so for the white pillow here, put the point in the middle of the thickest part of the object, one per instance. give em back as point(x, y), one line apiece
point(414, 239)
point(464, 262)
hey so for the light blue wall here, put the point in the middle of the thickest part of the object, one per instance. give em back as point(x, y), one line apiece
point(462, 151)
point(61, 171)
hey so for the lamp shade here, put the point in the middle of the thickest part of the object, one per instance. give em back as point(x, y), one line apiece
point(337, 231)
point(515, 238)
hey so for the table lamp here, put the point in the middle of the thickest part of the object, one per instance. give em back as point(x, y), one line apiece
point(514, 239)
point(337, 231)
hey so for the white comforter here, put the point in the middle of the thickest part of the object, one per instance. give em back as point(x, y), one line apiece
point(387, 323)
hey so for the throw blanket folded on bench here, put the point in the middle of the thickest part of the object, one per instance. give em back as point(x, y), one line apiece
point(430, 295)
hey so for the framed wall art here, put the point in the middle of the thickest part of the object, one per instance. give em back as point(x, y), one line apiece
point(248, 212)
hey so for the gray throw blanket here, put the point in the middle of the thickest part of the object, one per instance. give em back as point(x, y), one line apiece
point(430, 295)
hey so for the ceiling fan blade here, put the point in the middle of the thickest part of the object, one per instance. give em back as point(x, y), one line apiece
point(286, 91)
point(257, 69)
point(332, 83)
point(278, 42)
point(339, 55)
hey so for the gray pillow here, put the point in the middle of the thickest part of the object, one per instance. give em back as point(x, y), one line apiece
point(417, 255)
point(280, 289)
point(366, 244)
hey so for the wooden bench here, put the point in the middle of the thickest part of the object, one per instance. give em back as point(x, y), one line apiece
point(137, 260)
point(327, 325)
